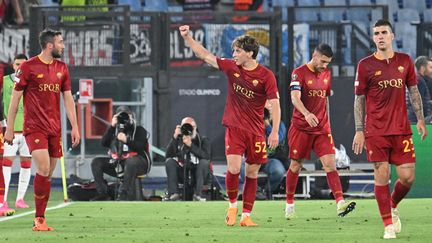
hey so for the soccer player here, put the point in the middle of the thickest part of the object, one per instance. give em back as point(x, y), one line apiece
point(42, 78)
point(250, 85)
point(310, 127)
point(19, 144)
point(382, 124)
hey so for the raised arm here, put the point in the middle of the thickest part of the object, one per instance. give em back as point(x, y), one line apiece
point(71, 114)
point(311, 119)
point(197, 48)
point(359, 117)
point(417, 106)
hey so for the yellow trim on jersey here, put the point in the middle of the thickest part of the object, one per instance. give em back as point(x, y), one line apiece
point(44, 61)
point(310, 68)
point(379, 58)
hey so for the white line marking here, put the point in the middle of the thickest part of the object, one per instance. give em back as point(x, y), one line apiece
point(62, 205)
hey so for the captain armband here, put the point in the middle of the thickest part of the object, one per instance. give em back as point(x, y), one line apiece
point(295, 87)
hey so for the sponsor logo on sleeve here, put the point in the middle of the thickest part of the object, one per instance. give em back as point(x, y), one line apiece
point(294, 76)
point(18, 72)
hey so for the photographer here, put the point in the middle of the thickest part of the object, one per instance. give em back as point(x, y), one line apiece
point(187, 147)
point(128, 150)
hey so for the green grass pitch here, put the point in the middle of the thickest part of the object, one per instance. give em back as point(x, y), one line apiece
point(204, 222)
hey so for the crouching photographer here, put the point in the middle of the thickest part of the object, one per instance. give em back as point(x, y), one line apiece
point(188, 155)
point(128, 155)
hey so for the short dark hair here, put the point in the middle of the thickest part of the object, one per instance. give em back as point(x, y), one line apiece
point(47, 36)
point(20, 56)
point(324, 49)
point(421, 61)
point(383, 22)
point(247, 43)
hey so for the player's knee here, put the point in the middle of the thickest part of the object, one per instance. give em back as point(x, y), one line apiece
point(7, 162)
point(43, 170)
point(234, 170)
point(407, 181)
point(295, 167)
point(329, 168)
point(26, 164)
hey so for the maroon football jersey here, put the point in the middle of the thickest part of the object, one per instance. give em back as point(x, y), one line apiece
point(247, 95)
point(42, 84)
point(384, 83)
point(315, 88)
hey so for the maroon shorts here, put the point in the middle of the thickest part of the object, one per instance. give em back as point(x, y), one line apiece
point(301, 143)
point(239, 141)
point(39, 140)
point(396, 149)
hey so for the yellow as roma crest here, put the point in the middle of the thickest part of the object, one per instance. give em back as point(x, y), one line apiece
point(309, 82)
point(59, 75)
point(255, 82)
point(378, 73)
point(236, 75)
point(37, 140)
point(401, 69)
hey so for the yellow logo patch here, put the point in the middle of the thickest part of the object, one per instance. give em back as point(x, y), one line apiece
point(37, 140)
point(40, 75)
point(325, 81)
point(295, 151)
point(255, 82)
point(59, 75)
point(401, 69)
point(236, 75)
point(309, 82)
point(378, 73)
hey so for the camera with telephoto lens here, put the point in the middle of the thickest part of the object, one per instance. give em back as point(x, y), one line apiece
point(186, 129)
point(122, 119)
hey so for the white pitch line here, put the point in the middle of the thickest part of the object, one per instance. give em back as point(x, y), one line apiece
point(62, 205)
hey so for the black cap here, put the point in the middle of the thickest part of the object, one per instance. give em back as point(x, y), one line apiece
point(123, 108)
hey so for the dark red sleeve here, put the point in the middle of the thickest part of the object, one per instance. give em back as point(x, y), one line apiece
point(225, 64)
point(66, 84)
point(296, 80)
point(22, 77)
point(411, 79)
point(271, 88)
point(361, 79)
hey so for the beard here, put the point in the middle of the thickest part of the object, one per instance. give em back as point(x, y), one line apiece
point(55, 54)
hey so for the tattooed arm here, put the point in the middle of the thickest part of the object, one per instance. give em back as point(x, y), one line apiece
point(417, 106)
point(359, 117)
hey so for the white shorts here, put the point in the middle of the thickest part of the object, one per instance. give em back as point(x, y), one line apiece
point(19, 145)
